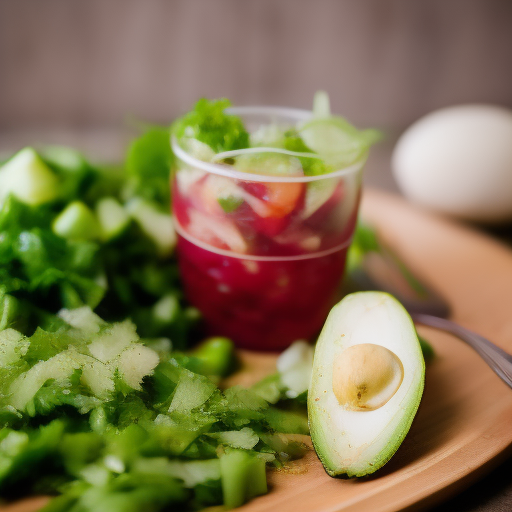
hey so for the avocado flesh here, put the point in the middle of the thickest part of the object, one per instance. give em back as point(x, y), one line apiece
point(351, 442)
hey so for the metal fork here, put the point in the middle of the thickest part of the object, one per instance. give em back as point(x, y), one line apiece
point(382, 270)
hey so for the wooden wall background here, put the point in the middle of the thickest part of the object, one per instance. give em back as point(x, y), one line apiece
point(385, 62)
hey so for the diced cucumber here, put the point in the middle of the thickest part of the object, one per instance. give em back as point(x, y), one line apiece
point(295, 365)
point(331, 138)
point(82, 318)
point(191, 472)
point(317, 194)
point(270, 388)
point(24, 388)
point(13, 346)
point(217, 355)
point(287, 422)
point(98, 376)
point(270, 164)
point(77, 222)
point(112, 217)
point(230, 204)
point(243, 477)
point(292, 445)
point(111, 342)
point(191, 392)
point(64, 158)
point(166, 309)
point(245, 438)
point(28, 178)
point(12, 312)
point(79, 449)
point(175, 436)
point(135, 363)
point(158, 226)
point(94, 474)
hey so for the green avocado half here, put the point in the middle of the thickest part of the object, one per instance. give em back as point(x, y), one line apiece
point(366, 385)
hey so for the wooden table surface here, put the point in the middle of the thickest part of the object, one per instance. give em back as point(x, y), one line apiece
point(492, 493)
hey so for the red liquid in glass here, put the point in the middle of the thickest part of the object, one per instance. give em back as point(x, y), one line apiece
point(262, 305)
point(267, 275)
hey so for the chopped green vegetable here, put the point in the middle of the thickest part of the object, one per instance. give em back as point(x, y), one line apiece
point(230, 204)
point(243, 477)
point(210, 124)
point(217, 356)
point(28, 178)
point(77, 222)
point(148, 163)
point(112, 217)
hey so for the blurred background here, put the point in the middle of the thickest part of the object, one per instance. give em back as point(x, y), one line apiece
point(80, 72)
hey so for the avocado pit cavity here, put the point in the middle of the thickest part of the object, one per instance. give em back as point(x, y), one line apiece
point(366, 376)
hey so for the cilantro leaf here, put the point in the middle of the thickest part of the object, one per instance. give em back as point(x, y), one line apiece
point(209, 123)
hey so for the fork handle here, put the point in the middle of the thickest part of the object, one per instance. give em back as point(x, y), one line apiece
point(499, 360)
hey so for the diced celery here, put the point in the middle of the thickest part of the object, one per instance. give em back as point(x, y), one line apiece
point(58, 367)
point(112, 217)
point(245, 403)
point(98, 376)
point(287, 422)
point(95, 474)
point(292, 446)
point(245, 438)
point(12, 312)
point(217, 356)
point(191, 472)
point(158, 226)
point(243, 477)
point(79, 449)
point(77, 222)
point(22, 453)
point(28, 178)
point(13, 346)
point(173, 437)
point(270, 388)
point(125, 444)
point(295, 365)
point(166, 309)
point(113, 340)
point(135, 363)
point(82, 318)
point(191, 392)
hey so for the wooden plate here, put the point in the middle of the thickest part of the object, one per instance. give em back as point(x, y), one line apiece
point(463, 425)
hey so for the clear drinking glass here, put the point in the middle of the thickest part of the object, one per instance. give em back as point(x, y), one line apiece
point(264, 269)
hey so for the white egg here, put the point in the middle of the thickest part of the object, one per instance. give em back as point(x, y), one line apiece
point(458, 161)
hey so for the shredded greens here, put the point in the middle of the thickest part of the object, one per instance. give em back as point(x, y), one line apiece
point(209, 123)
point(113, 420)
point(107, 413)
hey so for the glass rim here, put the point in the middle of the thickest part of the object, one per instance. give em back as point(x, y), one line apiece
point(229, 172)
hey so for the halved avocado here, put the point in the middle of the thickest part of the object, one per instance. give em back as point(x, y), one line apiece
point(366, 385)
